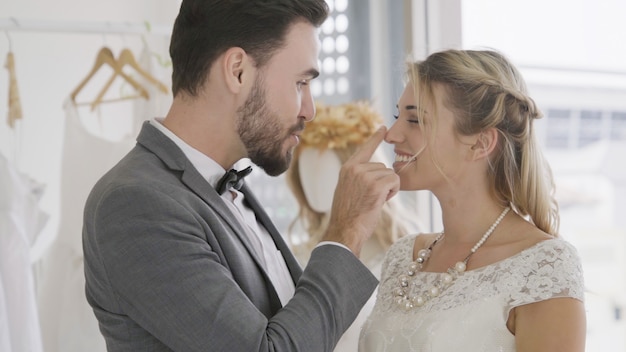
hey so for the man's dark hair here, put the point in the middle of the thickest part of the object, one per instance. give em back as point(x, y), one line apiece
point(204, 29)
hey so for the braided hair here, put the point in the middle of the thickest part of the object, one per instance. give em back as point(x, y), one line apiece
point(485, 91)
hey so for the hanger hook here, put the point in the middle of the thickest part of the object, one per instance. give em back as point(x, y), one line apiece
point(9, 39)
point(16, 24)
point(104, 37)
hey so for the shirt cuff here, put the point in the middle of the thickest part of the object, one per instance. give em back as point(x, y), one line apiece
point(324, 243)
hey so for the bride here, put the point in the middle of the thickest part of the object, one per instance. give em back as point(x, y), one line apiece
point(498, 277)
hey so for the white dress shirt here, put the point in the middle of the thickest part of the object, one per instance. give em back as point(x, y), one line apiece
point(271, 258)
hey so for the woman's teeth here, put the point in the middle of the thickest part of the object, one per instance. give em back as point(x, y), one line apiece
point(403, 158)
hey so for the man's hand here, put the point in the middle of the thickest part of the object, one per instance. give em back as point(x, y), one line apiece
point(362, 189)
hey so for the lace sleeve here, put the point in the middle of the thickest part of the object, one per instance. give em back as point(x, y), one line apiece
point(553, 270)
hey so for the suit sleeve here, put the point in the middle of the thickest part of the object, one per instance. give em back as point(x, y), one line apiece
point(150, 267)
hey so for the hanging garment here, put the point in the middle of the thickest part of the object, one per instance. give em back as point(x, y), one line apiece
point(92, 145)
point(68, 323)
point(21, 221)
point(159, 102)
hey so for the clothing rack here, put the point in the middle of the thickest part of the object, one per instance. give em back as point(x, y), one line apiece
point(12, 24)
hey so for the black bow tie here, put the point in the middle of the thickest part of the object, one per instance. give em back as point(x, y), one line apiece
point(232, 179)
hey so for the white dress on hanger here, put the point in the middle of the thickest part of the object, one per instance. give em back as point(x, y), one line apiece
point(68, 322)
point(21, 221)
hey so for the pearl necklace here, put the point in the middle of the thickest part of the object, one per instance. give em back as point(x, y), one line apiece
point(403, 295)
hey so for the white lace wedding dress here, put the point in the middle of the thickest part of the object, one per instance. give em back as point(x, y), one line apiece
point(471, 314)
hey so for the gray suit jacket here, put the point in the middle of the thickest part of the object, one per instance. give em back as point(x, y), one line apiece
point(169, 268)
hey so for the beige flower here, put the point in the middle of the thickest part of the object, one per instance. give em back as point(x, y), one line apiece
point(337, 127)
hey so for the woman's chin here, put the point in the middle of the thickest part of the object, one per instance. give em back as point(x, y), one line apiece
point(405, 187)
point(398, 166)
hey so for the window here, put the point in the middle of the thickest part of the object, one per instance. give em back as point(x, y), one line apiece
point(590, 129)
point(559, 126)
point(344, 58)
point(574, 128)
point(576, 72)
point(618, 126)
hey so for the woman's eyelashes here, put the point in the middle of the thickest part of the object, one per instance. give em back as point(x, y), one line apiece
point(411, 111)
point(411, 119)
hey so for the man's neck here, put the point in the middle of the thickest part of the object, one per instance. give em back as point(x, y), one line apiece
point(208, 127)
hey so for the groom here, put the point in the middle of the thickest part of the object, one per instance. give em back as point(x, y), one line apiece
point(171, 264)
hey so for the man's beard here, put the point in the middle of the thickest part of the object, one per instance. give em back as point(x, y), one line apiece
point(257, 127)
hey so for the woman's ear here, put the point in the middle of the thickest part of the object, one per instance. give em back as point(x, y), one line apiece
point(486, 142)
point(236, 66)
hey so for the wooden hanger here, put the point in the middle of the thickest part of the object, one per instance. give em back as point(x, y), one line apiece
point(105, 57)
point(127, 58)
point(15, 106)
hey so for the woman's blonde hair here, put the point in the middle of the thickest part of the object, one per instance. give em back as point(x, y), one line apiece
point(485, 91)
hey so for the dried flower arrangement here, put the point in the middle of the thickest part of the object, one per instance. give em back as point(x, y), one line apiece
point(337, 127)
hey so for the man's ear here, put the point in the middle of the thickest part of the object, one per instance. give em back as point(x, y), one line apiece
point(236, 66)
point(486, 142)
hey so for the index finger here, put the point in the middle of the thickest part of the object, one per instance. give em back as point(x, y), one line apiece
point(367, 149)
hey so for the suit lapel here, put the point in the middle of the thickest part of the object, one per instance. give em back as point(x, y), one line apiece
point(152, 139)
point(211, 197)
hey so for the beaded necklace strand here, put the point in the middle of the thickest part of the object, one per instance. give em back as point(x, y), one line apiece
point(404, 296)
